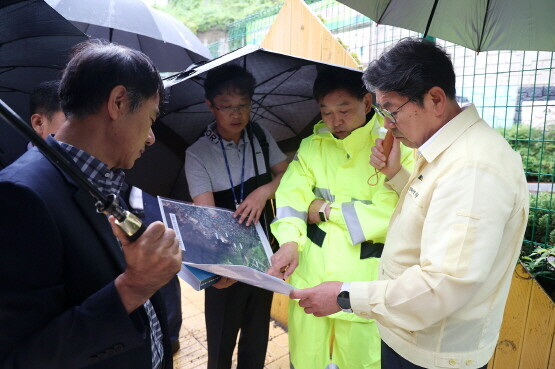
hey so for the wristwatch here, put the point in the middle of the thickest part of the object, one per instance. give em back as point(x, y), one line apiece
point(343, 299)
point(322, 212)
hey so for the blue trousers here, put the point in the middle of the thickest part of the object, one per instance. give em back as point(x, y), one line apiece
point(392, 360)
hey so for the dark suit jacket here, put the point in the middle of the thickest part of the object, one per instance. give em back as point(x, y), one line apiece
point(58, 261)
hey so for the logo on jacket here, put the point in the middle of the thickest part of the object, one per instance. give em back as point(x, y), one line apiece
point(413, 192)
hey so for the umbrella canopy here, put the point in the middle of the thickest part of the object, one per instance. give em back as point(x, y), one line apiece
point(282, 101)
point(168, 42)
point(34, 45)
point(479, 25)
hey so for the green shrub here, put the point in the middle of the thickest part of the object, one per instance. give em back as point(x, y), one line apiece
point(538, 251)
point(537, 148)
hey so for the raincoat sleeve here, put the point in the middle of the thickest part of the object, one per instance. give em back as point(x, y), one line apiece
point(293, 197)
point(367, 220)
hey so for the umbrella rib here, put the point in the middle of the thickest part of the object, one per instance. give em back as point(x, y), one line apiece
point(430, 19)
point(289, 95)
point(10, 89)
point(384, 11)
point(12, 67)
point(38, 37)
point(483, 27)
point(285, 103)
point(278, 120)
point(292, 69)
point(261, 100)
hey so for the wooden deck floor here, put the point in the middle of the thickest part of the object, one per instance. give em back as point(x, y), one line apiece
point(193, 353)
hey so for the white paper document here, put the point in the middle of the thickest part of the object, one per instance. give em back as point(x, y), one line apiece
point(213, 241)
point(247, 275)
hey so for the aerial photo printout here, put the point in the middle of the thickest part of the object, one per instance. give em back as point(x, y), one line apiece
point(212, 240)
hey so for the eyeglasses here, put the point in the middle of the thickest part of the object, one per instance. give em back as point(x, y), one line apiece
point(386, 114)
point(233, 109)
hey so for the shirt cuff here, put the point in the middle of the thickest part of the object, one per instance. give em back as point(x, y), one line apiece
point(365, 295)
point(399, 180)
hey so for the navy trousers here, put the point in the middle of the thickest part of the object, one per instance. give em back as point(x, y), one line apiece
point(392, 360)
point(229, 310)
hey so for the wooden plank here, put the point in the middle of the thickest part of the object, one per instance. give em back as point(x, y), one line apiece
point(539, 331)
point(314, 35)
point(297, 31)
point(296, 28)
point(327, 48)
point(509, 347)
point(279, 35)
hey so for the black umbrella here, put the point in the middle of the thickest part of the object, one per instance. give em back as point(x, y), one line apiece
point(282, 101)
point(168, 42)
point(34, 44)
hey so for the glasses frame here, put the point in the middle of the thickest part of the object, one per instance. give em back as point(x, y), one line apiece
point(233, 109)
point(386, 114)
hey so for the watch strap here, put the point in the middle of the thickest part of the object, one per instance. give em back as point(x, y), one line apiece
point(322, 212)
point(343, 299)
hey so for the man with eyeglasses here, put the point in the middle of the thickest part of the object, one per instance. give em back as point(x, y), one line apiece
point(456, 233)
point(332, 215)
point(236, 165)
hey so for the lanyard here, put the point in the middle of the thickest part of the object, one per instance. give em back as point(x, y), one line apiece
point(237, 203)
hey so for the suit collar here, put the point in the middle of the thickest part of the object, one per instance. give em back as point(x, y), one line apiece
point(86, 203)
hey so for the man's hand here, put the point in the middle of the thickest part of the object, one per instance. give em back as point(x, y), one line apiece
point(152, 260)
point(284, 261)
point(320, 300)
point(252, 207)
point(314, 210)
point(390, 165)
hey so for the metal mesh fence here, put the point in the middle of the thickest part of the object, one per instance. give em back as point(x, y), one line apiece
point(514, 91)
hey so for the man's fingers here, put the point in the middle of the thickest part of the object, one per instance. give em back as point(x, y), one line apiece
point(254, 216)
point(275, 271)
point(290, 269)
point(298, 294)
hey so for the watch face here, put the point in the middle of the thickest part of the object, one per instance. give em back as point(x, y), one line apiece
point(343, 300)
point(322, 216)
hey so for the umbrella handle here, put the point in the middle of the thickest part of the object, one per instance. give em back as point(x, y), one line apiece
point(129, 223)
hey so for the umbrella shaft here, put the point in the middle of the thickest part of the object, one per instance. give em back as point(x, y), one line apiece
point(131, 225)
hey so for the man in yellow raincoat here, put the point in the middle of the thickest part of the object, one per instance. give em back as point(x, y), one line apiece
point(332, 216)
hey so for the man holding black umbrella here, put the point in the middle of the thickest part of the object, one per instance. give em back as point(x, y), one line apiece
point(70, 297)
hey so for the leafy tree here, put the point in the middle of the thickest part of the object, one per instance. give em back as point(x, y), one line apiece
point(203, 15)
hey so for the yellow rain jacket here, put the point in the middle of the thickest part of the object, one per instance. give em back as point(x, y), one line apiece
point(338, 171)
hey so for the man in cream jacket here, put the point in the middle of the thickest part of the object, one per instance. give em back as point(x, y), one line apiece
point(456, 233)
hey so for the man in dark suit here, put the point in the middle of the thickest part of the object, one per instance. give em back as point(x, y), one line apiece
point(71, 295)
